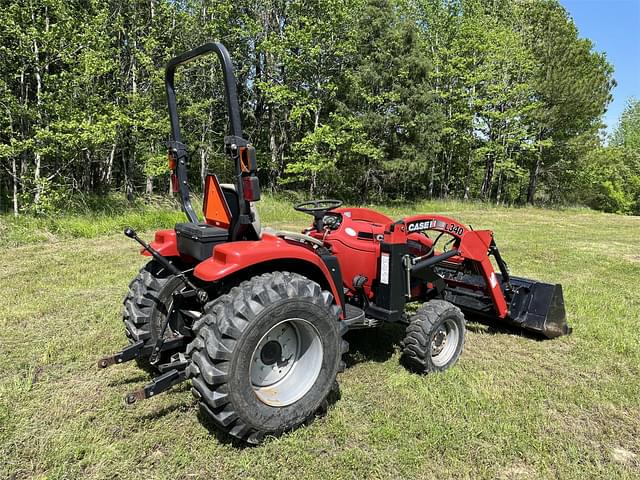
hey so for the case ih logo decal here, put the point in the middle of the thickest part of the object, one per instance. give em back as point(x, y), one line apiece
point(421, 225)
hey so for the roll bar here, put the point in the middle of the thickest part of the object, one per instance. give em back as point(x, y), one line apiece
point(231, 96)
point(234, 143)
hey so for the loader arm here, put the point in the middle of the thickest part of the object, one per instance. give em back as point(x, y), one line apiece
point(474, 245)
point(529, 304)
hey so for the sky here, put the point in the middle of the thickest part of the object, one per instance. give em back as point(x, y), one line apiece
point(614, 28)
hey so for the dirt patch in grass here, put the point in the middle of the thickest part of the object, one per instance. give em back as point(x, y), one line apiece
point(519, 471)
point(625, 457)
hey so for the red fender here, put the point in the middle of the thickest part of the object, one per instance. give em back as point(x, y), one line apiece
point(165, 243)
point(232, 257)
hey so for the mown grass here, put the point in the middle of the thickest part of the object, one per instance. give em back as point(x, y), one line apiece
point(513, 407)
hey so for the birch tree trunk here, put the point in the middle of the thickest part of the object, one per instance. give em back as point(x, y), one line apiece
point(37, 156)
point(433, 172)
point(108, 174)
point(467, 178)
point(533, 181)
point(14, 173)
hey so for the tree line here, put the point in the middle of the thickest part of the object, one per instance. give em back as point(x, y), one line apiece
point(367, 100)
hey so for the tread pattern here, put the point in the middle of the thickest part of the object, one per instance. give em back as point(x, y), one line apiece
point(415, 353)
point(139, 302)
point(219, 329)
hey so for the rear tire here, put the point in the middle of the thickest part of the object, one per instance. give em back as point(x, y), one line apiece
point(146, 306)
point(434, 338)
point(266, 355)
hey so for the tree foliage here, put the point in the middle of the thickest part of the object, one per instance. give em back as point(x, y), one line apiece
point(610, 177)
point(366, 99)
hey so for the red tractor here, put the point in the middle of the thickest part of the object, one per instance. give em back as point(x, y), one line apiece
point(256, 318)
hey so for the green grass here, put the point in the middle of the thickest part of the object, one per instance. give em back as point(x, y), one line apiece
point(92, 219)
point(89, 217)
point(513, 407)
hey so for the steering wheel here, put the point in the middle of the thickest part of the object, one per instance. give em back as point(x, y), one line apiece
point(318, 208)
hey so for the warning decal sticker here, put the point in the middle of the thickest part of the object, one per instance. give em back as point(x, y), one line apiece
point(384, 269)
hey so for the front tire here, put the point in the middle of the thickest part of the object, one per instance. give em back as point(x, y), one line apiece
point(434, 338)
point(266, 355)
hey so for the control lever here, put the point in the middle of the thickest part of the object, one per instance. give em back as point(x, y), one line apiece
point(200, 294)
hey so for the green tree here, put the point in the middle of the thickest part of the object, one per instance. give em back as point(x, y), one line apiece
point(386, 89)
point(572, 82)
point(627, 133)
point(367, 99)
point(310, 50)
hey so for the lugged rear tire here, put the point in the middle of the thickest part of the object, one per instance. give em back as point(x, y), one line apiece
point(231, 343)
point(421, 351)
point(146, 305)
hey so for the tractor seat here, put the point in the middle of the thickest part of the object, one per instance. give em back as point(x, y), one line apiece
point(198, 239)
point(231, 196)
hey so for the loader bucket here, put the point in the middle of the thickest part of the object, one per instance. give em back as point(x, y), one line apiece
point(538, 307)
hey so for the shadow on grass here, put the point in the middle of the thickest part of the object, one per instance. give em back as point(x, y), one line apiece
point(180, 406)
point(497, 327)
point(367, 345)
point(375, 344)
point(129, 380)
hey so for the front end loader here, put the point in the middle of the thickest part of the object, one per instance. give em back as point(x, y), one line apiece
point(254, 318)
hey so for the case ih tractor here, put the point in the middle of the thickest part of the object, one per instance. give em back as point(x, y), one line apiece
point(255, 318)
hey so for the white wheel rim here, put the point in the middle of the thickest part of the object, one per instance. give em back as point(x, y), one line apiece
point(286, 362)
point(444, 342)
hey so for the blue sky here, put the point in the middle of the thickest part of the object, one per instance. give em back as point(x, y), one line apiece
point(614, 28)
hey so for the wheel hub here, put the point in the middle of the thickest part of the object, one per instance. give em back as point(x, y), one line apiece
point(439, 341)
point(444, 342)
point(271, 353)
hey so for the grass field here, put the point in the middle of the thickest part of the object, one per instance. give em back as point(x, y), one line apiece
point(513, 407)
